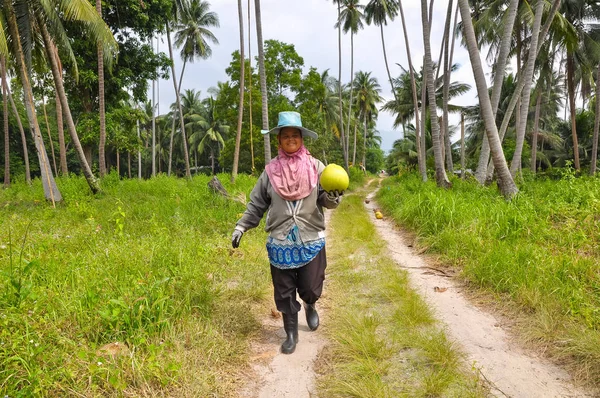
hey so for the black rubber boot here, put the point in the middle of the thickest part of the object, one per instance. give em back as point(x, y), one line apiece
point(312, 317)
point(290, 325)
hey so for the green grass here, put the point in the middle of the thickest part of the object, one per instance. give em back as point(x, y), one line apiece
point(385, 341)
point(147, 264)
point(538, 252)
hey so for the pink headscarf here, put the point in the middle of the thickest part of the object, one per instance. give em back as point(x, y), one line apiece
point(293, 175)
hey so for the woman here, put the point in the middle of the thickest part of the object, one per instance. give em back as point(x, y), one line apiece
point(289, 191)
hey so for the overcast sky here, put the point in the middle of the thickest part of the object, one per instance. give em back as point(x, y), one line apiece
point(309, 26)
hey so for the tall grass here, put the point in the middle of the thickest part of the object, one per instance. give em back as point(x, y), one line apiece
point(145, 264)
point(539, 251)
point(385, 341)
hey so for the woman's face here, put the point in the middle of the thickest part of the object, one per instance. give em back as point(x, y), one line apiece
point(290, 139)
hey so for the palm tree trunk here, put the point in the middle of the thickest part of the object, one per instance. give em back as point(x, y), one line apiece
point(413, 83)
point(462, 146)
point(351, 82)
point(238, 136)
point(571, 91)
point(536, 124)
point(364, 159)
point(344, 147)
point(354, 149)
point(5, 124)
point(66, 110)
point(528, 76)
point(516, 96)
point(250, 87)
point(446, 88)
point(51, 191)
point(212, 161)
point(596, 125)
point(49, 135)
point(118, 164)
point(23, 137)
point(173, 122)
point(387, 67)
point(102, 143)
point(179, 108)
point(440, 173)
point(62, 148)
point(505, 43)
point(424, 124)
point(263, 81)
point(506, 183)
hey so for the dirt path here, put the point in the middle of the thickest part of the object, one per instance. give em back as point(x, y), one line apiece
point(510, 371)
point(286, 376)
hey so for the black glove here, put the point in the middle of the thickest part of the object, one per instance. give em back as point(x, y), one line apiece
point(236, 237)
point(335, 194)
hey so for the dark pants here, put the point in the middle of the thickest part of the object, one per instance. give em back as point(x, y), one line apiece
point(307, 280)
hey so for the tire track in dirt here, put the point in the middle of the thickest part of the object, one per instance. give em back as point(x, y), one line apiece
point(510, 371)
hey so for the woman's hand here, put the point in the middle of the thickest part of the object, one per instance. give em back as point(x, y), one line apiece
point(236, 237)
point(335, 195)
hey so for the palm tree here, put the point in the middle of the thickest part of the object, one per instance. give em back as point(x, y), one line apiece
point(238, 136)
point(420, 147)
point(5, 124)
point(440, 173)
point(263, 81)
point(596, 125)
point(178, 7)
point(350, 19)
point(367, 97)
point(528, 77)
point(193, 34)
point(378, 12)
point(499, 72)
point(78, 10)
point(214, 132)
point(51, 191)
point(102, 141)
point(192, 37)
point(578, 42)
point(506, 183)
point(339, 86)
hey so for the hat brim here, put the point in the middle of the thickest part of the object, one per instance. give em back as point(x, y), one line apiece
point(305, 132)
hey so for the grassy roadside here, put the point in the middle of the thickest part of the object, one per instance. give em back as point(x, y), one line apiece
point(147, 265)
point(384, 340)
point(536, 257)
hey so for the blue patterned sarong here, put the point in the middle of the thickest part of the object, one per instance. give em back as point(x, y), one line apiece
point(293, 252)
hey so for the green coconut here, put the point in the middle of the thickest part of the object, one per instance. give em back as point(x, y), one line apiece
point(334, 177)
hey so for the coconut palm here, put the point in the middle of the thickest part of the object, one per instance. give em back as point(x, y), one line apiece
point(263, 81)
point(339, 86)
point(51, 191)
point(367, 97)
point(420, 141)
point(579, 42)
point(506, 183)
point(5, 124)
point(176, 12)
point(499, 71)
point(440, 173)
point(350, 19)
point(77, 10)
point(238, 136)
point(101, 110)
point(214, 132)
point(193, 32)
point(379, 12)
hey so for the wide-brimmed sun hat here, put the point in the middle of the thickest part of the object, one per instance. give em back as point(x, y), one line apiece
point(291, 119)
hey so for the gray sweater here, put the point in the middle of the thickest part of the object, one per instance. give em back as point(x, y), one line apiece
point(282, 215)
